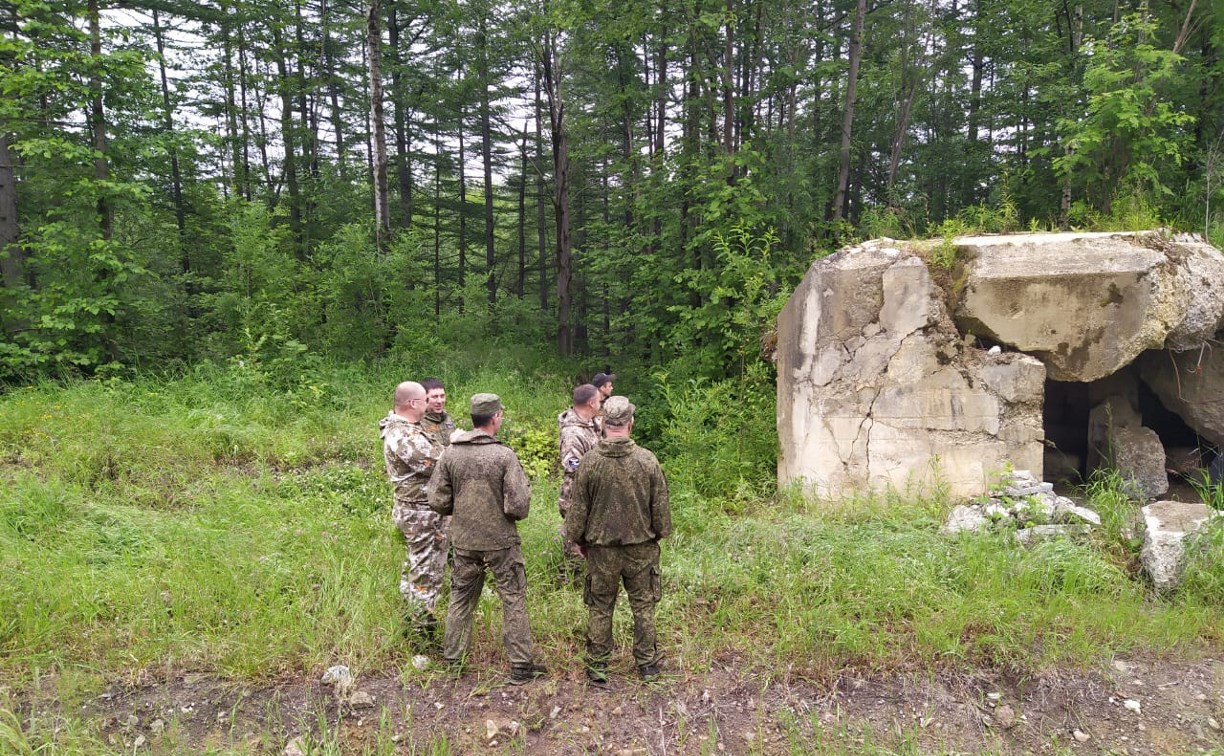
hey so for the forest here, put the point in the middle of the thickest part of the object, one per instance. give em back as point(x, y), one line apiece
point(638, 182)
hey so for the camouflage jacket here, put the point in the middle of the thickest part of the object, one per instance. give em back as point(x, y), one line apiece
point(480, 483)
point(578, 437)
point(619, 497)
point(410, 456)
point(439, 427)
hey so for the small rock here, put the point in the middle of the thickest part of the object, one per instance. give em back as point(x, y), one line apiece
point(994, 696)
point(1131, 704)
point(1121, 666)
point(556, 711)
point(438, 705)
point(749, 737)
point(295, 747)
point(987, 720)
point(964, 518)
point(157, 727)
point(337, 675)
point(1201, 697)
point(1142, 728)
point(138, 742)
point(491, 729)
point(1212, 723)
point(361, 699)
point(1081, 736)
point(420, 662)
point(132, 720)
point(995, 350)
point(1006, 717)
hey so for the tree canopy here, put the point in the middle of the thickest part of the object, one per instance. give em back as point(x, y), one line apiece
point(630, 181)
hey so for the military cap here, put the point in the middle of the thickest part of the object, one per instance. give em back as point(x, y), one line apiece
point(601, 378)
point(618, 410)
point(486, 405)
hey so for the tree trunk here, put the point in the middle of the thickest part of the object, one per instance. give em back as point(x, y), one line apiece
point(382, 214)
point(843, 155)
point(287, 136)
point(333, 91)
point(437, 213)
point(728, 83)
point(403, 162)
point(176, 179)
point(231, 106)
point(463, 240)
point(97, 122)
point(541, 214)
point(12, 255)
point(561, 194)
point(521, 284)
point(486, 154)
point(245, 113)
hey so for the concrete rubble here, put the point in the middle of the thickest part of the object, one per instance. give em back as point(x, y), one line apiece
point(1026, 505)
point(1167, 525)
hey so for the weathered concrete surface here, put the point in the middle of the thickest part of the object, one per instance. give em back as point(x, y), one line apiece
point(1167, 525)
point(1085, 304)
point(1191, 384)
point(876, 389)
point(1200, 270)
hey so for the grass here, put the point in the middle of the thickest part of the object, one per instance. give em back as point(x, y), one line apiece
point(212, 524)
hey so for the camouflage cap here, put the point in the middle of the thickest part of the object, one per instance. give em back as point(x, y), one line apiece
point(618, 410)
point(486, 405)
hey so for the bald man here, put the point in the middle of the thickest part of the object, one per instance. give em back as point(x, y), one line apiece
point(411, 453)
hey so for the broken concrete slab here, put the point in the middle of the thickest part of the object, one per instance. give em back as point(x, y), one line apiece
point(1085, 304)
point(1167, 525)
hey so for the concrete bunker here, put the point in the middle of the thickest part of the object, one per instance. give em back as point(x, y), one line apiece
point(1054, 353)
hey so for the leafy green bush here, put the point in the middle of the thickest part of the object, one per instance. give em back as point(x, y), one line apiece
point(719, 438)
point(536, 449)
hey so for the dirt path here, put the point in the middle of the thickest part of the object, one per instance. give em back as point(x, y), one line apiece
point(1180, 708)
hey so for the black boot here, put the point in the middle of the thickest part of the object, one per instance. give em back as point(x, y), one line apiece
point(521, 674)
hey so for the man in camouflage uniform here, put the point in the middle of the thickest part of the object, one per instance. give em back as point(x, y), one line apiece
point(579, 433)
point(410, 456)
point(481, 485)
point(618, 515)
point(436, 422)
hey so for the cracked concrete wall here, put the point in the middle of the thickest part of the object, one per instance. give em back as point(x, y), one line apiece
point(876, 388)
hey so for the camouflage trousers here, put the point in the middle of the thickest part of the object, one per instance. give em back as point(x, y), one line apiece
point(467, 582)
point(637, 566)
point(426, 538)
point(571, 559)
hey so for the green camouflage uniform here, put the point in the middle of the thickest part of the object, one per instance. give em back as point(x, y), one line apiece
point(618, 513)
point(577, 437)
point(411, 455)
point(438, 426)
point(481, 485)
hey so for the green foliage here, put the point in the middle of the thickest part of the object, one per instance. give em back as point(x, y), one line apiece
point(1132, 132)
point(739, 301)
point(536, 449)
point(719, 438)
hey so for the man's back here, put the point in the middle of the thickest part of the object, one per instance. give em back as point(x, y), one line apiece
point(481, 484)
point(619, 497)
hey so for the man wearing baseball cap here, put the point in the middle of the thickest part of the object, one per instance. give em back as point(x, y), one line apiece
point(480, 483)
point(618, 515)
